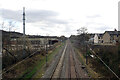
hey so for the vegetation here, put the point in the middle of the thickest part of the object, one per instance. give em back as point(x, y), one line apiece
point(109, 54)
point(29, 67)
point(82, 59)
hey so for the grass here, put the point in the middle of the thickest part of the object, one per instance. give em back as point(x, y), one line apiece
point(39, 69)
point(32, 67)
point(91, 73)
point(50, 57)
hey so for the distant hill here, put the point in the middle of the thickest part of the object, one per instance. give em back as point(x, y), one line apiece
point(10, 34)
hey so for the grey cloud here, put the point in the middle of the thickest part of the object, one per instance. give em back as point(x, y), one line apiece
point(103, 28)
point(94, 16)
point(40, 15)
point(68, 28)
point(12, 15)
point(33, 16)
point(98, 26)
point(57, 21)
point(89, 23)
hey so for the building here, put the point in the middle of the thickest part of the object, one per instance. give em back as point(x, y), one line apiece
point(111, 37)
point(14, 40)
point(91, 38)
point(98, 38)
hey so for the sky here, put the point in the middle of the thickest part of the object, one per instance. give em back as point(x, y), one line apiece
point(59, 17)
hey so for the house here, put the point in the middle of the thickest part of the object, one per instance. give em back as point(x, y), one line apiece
point(96, 38)
point(111, 36)
point(91, 38)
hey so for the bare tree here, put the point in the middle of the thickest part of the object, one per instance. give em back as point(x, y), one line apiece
point(2, 25)
point(82, 34)
point(82, 38)
point(82, 30)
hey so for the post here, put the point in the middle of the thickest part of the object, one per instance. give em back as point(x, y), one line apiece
point(1, 49)
point(86, 53)
point(46, 54)
point(9, 43)
point(46, 51)
point(85, 47)
point(47, 47)
point(23, 32)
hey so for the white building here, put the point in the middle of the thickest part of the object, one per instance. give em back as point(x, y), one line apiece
point(96, 40)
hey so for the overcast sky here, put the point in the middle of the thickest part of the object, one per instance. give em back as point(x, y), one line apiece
point(60, 17)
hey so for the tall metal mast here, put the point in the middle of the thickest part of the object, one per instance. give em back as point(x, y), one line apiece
point(23, 32)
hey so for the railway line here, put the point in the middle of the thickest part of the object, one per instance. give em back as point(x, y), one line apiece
point(66, 65)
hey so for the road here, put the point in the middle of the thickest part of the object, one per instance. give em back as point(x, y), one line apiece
point(66, 65)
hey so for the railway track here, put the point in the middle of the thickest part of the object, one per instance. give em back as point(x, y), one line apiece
point(67, 66)
point(56, 73)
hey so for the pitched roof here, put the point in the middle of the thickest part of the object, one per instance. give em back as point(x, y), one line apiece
point(113, 32)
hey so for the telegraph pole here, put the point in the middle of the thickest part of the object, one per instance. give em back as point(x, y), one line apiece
point(47, 36)
point(86, 54)
point(23, 32)
point(46, 50)
point(85, 43)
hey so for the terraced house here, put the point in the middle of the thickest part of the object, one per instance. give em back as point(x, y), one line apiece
point(111, 37)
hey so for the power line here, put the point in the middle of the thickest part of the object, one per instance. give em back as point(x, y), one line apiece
point(104, 63)
point(18, 63)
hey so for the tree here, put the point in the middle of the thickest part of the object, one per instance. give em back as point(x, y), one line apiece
point(82, 30)
point(82, 34)
point(2, 25)
point(83, 38)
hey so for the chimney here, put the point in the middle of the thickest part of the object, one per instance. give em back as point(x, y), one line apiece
point(115, 29)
